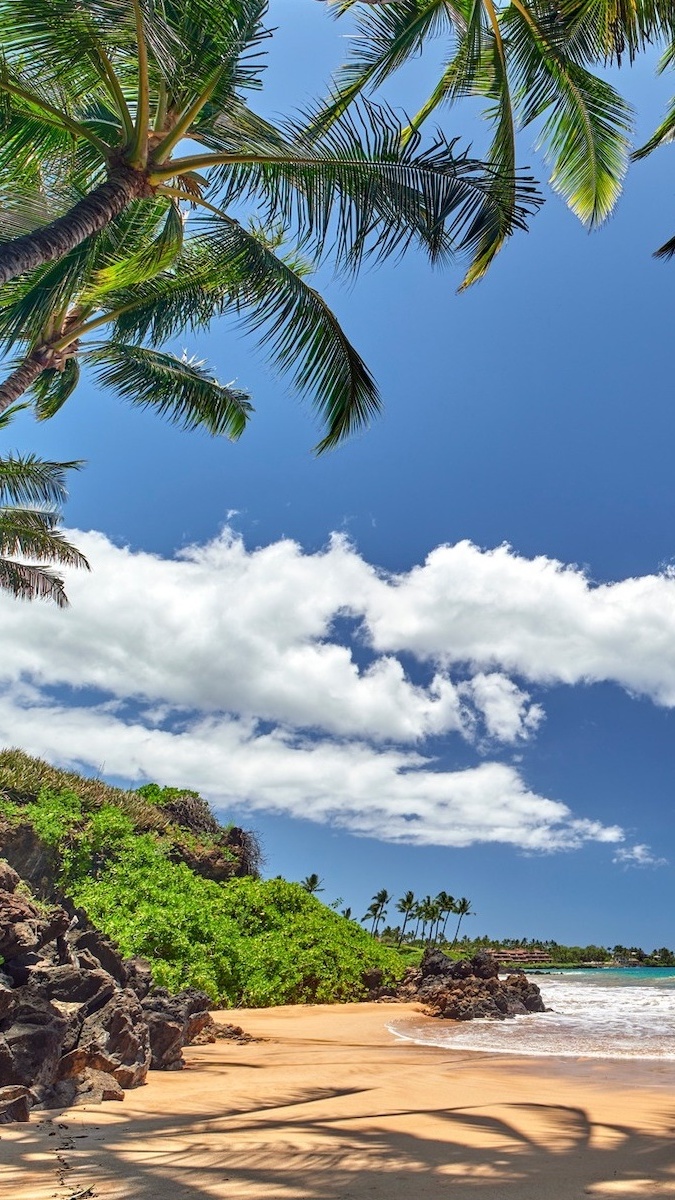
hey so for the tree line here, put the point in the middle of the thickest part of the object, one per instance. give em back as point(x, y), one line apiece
point(425, 919)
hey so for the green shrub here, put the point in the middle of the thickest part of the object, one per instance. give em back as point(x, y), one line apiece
point(244, 942)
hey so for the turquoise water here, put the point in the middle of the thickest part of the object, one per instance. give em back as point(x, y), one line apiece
point(617, 1013)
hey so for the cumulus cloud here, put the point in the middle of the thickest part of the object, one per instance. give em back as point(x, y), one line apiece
point(221, 628)
point(312, 683)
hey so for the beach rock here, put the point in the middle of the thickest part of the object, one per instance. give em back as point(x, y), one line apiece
point(88, 1087)
point(25, 928)
point(9, 878)
point(174, 1022)
point(214, 1031)
point(34, 861)
point(117, 1039)
point(90, 945)
point(15, 1104)
point(469, 988)
point(78, 1022)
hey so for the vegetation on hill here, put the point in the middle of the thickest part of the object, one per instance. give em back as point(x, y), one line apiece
point(125, 858)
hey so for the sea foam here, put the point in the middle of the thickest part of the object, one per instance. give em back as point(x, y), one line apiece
point(596, 1014)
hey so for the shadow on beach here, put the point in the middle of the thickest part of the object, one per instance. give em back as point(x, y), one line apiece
point(294, 1148)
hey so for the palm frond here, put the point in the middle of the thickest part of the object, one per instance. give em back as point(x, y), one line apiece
point(181, 390)
point(662, 135)
point(298, 331)
point(386, 37)
point(29, 480)
point(53, 388)
point(585, 133)
point(33, 305)
point(33, 534)
point(611, 29)
point(360, 189)
point(26, 581)
point(9, 414)
point(151, 257)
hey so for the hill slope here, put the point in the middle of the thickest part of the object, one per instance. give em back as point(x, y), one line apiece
point(157, 873)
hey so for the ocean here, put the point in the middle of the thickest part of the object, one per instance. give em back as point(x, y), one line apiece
point(614, 1014)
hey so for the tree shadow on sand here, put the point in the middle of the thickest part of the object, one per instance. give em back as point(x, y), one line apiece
point(299, 1146)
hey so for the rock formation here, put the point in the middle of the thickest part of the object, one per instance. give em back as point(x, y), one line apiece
point(77, 1021)
point(470, 988)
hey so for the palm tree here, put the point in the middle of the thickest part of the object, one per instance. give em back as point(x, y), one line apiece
point(463, 909)
point(417, 915)
point(104, 100)
point(376, 910)
point(312, 884)
point(406, 906)
point(143, 281)
point(31, 490)
point(446, 904)
point(347, 913)
point(371, 914)
point(530, 59)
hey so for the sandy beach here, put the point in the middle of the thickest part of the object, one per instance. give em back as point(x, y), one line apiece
point(332, 1106)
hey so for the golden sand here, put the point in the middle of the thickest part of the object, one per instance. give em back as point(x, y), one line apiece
point(332, 1106)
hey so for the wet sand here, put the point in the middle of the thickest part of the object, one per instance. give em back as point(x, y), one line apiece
point(332, 1106)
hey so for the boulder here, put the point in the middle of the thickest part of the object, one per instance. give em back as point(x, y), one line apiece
point(117, 1038)
point(469, 988)
point(9, 878)
point(173, 1022)
point(15, 1103)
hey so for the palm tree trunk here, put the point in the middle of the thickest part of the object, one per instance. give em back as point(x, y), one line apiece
point(405, 921)
point(21, 379)
point(88, 216)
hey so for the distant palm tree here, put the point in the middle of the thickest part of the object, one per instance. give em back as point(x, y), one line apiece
point(376, 911)
point(347, 913)
point(312, 884)
point(463, 909)
point(406, 906)
point(30, 492)
point(432, 914)
point(446, 903)
point(417, 914)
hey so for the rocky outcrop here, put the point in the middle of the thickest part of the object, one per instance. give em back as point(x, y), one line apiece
point(470, 988)
point(78, 1023)
point(173, 1022)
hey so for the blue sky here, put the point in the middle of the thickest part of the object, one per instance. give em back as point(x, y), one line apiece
point(536, 411)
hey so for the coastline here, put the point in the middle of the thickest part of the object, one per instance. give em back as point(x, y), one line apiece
point(333, 1106)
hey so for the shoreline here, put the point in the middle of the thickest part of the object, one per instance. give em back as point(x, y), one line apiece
point(331, 1105)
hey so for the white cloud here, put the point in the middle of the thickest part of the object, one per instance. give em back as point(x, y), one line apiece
point(394, 795)
point(248, 689)
point(638, 856)
point(226, 629)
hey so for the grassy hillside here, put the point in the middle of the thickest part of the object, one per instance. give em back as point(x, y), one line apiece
point(136, 861)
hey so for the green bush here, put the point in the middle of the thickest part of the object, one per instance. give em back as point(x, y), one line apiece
point(245, 942)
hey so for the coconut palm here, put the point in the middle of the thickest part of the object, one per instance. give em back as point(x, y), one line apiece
point(376, 911)
point(31, 491)
point(446, 905)
point(114, 102)
point(406, 906)
point(531, 60)
point(463, 909)
point(56, 316)
point(312, 884)
point(142, 281)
